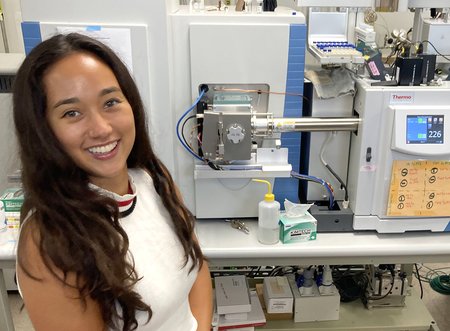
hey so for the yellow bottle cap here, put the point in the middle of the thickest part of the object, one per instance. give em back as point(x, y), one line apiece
point(269, 197)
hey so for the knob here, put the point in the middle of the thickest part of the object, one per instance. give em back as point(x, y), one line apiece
point(235, 133)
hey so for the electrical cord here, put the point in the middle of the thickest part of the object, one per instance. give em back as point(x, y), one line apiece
point(197, 136)
point(322, 159)
point(182, 138)
point(275, 271)
point(437, 52)
point(253, 272)
point(408, 33)
point(343, 186)
point(419, 279)
point(392, 272)
point(351, 284)
point(391, 269)
point(384, 296)
point(182, 129)
point(202, 93)
point(385, 25)
point(318, 181)
point(441, 284)
point(439, 281)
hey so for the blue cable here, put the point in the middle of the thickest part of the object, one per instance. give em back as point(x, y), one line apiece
point(316, 180)
point(202, 93)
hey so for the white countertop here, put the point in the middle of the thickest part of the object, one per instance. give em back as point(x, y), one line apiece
point(224, 245)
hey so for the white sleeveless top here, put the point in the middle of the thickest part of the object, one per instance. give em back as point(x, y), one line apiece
point(158, 257)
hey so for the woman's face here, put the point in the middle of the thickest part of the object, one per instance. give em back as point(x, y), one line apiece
point(91, 118)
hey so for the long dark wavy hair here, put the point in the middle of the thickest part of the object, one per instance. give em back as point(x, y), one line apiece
point(78, 229)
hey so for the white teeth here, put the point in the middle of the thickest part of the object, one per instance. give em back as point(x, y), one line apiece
point(103, 149)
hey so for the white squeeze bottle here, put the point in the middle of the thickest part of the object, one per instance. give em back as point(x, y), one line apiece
point(268, 217)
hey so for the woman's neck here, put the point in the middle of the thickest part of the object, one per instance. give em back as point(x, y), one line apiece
point(118, 184)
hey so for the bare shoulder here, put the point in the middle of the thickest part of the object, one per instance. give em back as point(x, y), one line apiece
point(51, 304)
point(28, 248)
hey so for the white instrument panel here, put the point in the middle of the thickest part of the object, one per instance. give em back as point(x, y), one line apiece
point(421, 131)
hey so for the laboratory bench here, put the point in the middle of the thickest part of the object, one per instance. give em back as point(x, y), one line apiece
point(227, 246)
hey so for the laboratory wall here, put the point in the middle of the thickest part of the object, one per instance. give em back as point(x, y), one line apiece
point(8, 146)
point(2, 30)
point(12, 18)
point(2, 45)
point(151, 57)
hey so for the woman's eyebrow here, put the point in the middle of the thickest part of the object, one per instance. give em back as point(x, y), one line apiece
point(109, 90)
point(103, 92)
point(66, 101)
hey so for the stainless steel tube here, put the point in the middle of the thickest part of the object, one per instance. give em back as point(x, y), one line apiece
point(310, 124)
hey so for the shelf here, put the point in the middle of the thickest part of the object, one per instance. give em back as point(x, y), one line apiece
point(355, 317)
point(262, 171)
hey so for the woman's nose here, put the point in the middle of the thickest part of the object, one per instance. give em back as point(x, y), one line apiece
point(99, 125)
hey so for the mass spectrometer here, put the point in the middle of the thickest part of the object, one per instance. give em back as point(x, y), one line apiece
point(399, 169)
point(247, 70)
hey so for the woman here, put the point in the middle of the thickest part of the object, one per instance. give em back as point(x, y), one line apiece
point(106, 241)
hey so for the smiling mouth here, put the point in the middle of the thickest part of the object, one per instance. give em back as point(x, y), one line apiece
point(103, 149)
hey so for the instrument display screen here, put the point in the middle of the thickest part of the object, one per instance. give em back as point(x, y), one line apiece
point(425, 129)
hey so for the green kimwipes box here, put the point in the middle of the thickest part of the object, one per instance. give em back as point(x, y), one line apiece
point(12, 199)
point(298, 228)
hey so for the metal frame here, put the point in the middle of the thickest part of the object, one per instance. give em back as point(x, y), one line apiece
point(6, 322)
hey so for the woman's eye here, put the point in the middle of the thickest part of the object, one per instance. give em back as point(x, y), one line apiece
point(71, 113)
point(111, 103)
